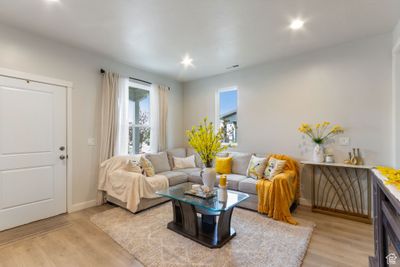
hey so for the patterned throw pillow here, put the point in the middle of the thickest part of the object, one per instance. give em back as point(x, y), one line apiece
point(147, 167)
point(223, 165)
point(274, 167)
point(133, 166)
point(256, 167)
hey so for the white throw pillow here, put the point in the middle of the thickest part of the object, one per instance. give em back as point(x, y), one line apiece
point(256, 167)
point(274, 167)
point(183, 163)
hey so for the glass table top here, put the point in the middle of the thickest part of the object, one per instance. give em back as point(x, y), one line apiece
point(224, 199)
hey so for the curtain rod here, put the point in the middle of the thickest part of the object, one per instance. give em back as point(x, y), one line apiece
point(102, 71)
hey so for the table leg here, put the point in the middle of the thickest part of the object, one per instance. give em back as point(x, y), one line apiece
point(186, 216)
point(224, 224)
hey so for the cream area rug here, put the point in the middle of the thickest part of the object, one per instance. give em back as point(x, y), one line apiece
point(260, 241)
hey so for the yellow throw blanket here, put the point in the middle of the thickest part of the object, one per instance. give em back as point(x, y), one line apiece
point(275, 197)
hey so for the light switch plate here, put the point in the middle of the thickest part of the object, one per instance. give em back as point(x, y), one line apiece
point(344, 141)
point(91, 141)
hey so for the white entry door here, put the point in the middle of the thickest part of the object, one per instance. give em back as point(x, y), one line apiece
point(32, 151)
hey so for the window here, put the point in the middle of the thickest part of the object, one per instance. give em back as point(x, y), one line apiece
point(227, 114)
point(139, 118)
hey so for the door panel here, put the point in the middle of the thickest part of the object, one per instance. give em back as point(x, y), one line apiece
point(16, 186)
point(32, 128)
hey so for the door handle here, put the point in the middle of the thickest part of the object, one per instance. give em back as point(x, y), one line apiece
point(62, 157)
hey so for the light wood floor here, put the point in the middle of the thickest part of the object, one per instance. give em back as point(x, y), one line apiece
point(72, 240)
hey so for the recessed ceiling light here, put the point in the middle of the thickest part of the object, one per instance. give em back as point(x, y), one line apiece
point(187, 61)
point(296, 24)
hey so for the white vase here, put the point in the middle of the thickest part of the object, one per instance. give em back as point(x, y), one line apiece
point(318, 153)
point(209, 176)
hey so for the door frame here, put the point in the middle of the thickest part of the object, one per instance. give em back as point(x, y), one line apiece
point(395, 103)
point(69, 86)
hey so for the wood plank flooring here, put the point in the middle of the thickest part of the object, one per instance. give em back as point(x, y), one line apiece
point(72, 240)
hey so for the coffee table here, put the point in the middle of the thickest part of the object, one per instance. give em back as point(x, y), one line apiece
point(206, 221)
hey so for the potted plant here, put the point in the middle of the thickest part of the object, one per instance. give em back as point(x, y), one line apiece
point(207, 142)
point(319, 134)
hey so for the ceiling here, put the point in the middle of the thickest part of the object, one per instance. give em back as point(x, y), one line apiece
point(154, 35)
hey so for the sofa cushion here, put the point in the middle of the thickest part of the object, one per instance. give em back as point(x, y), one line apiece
point(190, 170)
point(175, 178)
point(159, 161)
point(248, 186)
point(240, 162)
point(175, 152)
point(233, 180)
point(195, 177)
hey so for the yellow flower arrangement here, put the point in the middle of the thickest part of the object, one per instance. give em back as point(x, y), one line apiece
point(320, 132)
point(392, 175)
point(206, 141)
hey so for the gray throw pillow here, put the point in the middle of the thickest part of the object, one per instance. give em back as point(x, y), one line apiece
point(240, 162)
point(159, 161)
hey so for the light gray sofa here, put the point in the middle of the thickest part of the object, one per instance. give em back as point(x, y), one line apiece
point(163, 164)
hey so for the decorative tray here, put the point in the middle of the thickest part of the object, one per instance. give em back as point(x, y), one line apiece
point(201, 194)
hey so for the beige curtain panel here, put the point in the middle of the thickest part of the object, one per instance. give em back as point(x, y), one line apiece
point(109, 120)
point(163, 115)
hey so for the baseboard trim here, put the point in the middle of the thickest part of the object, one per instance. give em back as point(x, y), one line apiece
point(82, 205)
point(305, 202)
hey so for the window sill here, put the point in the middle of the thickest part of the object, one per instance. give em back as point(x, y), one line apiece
point(230, 144)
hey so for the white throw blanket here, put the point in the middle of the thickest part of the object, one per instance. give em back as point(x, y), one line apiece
point(129, 187)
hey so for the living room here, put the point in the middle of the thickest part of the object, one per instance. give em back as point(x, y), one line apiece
point(271, 126)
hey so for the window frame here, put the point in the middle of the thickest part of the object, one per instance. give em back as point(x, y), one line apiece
point(133, 84)
point(217, 109)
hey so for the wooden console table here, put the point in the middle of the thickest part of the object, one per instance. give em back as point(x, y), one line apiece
point(341, 190)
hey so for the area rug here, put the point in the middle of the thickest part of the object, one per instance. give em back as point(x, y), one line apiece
point(260, 241)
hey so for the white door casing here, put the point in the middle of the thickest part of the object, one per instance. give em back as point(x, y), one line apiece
point(32, 130)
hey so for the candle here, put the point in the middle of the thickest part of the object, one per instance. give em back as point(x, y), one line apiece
point(222, 180)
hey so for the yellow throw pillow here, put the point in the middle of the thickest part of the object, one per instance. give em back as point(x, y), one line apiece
point(223, 165)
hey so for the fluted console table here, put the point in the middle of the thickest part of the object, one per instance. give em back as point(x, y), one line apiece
point(341, 190)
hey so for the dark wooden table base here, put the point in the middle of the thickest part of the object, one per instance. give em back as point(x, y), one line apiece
point(204, 229)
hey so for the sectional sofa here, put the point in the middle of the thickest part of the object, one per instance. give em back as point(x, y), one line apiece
point(237, 180)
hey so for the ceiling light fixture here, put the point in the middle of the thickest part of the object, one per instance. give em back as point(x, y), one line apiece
point(296, 24)
point(187, 61)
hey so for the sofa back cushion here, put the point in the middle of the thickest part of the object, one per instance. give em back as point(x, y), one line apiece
point(159, 161)
point(240, 162)
point(175, 152)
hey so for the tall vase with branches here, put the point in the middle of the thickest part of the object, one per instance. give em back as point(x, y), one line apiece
point(207, 142)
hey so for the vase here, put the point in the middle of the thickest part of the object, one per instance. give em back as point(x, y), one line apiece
point(209, 176)
point(318, 153)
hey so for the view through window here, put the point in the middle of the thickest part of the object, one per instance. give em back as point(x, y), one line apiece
point(139, 120)
point(227, 114)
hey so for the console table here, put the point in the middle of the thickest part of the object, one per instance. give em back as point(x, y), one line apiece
point(341, 190)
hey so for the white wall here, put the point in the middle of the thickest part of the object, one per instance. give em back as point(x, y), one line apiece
point(349, 84)
point(396, 95)
point(29, 53)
